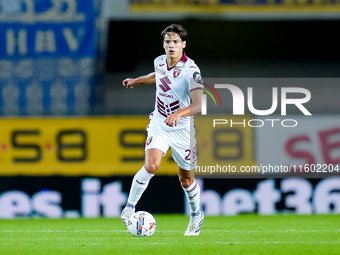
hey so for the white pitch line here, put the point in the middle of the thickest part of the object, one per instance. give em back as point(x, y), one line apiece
point(231, 243)
point(62, 231)
point(279, 230)
point(76, 231)
point(205, 230)
point(213, 243)
point(279, 242)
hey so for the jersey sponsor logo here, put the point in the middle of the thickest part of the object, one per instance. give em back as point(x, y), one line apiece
point(164, 86)
point(158, 70)
point(177, 72)
point(192, 67)
point(161, 64)
point(165, 95)
point(167, 109)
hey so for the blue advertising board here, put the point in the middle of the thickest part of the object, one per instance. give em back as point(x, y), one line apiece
point(48, 56)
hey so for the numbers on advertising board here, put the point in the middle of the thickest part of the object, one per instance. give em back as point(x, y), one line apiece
point(104, 146)
point(133, 140)
point(67, 151)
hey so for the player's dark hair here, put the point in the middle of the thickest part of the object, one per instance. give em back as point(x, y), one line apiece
point(176, 28)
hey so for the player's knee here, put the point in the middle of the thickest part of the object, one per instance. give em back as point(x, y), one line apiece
point(186, 182)
point(152, 167)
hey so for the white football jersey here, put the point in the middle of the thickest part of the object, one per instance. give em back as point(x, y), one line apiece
point(173, 90)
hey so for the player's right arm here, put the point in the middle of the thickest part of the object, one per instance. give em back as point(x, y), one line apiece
point(145, 79)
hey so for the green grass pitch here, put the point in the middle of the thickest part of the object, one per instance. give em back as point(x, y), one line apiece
point(244, 234)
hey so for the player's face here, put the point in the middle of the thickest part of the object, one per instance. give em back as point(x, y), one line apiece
point(173, 45)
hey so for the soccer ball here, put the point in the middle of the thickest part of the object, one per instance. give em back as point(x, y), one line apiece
point(141, 223)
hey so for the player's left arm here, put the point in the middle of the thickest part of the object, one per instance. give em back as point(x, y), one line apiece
point(193, 108)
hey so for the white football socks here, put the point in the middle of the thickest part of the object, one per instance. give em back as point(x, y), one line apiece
point(139, 184)
point(193, 196)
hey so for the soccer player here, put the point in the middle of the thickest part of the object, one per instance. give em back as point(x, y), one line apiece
point(171, 123)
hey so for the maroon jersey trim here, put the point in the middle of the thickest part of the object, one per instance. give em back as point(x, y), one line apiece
point(183, 59)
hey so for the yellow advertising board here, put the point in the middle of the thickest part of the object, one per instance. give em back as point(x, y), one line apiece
point(225, 144)
point(237, 7)
point(100, 146)
point(73, 146)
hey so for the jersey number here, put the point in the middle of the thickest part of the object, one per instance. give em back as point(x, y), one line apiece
point(191, 154)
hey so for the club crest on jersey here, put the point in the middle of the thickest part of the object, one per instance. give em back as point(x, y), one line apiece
point(149, 140)
point(177, 72)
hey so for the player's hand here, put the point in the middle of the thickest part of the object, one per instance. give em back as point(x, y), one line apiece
point(129, 83)
point(172, 120)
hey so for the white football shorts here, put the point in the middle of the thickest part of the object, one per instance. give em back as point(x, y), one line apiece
point(182, 143)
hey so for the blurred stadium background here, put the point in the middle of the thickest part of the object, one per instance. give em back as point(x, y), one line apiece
point(71, 136)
